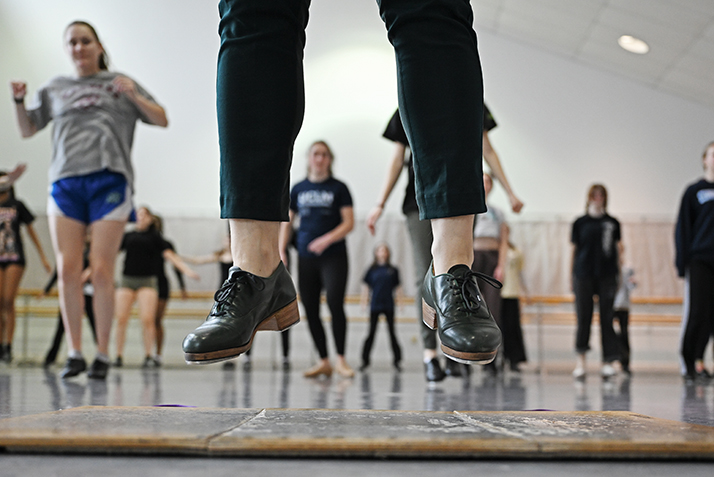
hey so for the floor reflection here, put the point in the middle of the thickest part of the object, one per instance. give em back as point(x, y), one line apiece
point(25, 390)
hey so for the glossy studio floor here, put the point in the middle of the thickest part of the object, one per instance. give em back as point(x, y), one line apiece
point(195, 395)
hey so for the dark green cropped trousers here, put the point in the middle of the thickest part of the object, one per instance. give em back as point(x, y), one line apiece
point(260, 102)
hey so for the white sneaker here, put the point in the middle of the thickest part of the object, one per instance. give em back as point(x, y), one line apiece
point(579, 372)
point(607, 371)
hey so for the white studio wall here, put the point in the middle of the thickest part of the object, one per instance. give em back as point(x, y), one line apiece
point(562, 125)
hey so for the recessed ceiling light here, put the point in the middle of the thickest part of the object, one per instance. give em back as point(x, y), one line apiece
point(633, 45)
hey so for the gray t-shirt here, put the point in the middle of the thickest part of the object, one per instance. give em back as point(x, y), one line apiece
point(93, 124)
point(489, 223)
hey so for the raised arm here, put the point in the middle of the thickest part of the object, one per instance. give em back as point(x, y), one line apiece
point(19, 91)
point(395, 168)
point(153, 111)
point(493, 161)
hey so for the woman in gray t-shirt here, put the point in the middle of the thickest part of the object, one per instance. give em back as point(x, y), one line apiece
point(94, 114)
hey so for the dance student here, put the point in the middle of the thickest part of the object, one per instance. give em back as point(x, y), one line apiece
point(514, 287)
point(88, 292)
point(323, 205)
point(95, 114)
point(490, 244)
point(139, 282)
point(595, 268)
point(420, 231)
point(164, 290)
point(260, 98)
point(694, 240)
point(382, 282)
point(13, 214)
point(625, 284)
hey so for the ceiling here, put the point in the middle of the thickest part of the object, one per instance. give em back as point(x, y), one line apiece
point(680, 34)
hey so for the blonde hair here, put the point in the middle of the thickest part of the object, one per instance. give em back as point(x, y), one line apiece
point(329, 152)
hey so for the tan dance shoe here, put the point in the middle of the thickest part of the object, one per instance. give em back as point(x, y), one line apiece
point(344, 370)
point(320, 369)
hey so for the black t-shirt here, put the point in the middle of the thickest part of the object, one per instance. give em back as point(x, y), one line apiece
point(382, 280)
point(319, 204)
point(395, 132)
point(12, 214)
point(595, 240)
point(143, 253)
point(694, 235)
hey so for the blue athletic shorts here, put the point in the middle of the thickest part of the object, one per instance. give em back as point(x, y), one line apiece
point(103, 195)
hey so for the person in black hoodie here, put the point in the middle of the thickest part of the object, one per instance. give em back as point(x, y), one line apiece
point(694, 240)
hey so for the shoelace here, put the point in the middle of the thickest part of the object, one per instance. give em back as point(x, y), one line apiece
point(235, 281)
point(469, 290)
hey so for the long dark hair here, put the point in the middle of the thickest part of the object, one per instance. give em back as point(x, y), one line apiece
point(103, 58)
point(375, 263)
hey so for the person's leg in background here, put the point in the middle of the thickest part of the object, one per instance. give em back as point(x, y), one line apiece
point(396, 349)
point(607, 288)
point(421, 239)
point(310, 282)
point(584, 289)
point(369, 341)
point(334, 269)
point(51, 355)
point(623, 338)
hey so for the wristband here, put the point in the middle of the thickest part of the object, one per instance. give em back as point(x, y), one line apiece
point(19, 100)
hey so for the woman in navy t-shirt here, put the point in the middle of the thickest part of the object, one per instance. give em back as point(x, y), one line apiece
point(324, 206)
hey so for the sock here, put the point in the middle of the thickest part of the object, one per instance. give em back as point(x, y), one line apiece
point(102, 357)
point(74, 354)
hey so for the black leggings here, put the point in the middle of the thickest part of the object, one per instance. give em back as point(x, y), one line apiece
point(701, 313)
point(328, 273)
point(373, 321)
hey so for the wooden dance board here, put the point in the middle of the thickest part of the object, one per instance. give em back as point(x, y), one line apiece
point(354, 433)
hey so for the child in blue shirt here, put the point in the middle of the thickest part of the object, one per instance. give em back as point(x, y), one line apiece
point(381, 280)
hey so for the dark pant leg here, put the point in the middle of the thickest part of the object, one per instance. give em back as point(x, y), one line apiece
point(367, 346)
point(514, 349)
point(486, 262)
point(421, 238)
point(334, 270)
point(56, 341)
point(584, 289)
point(396, 349)
point(606, 290)
point(440, 90)
point(260, 103)
point(701, 313)
point(310, 284)
point(89, 310)
point(285, 339)
point(623, 338)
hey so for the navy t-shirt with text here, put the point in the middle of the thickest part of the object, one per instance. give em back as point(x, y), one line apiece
point(382, 280)
point(318, 205)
